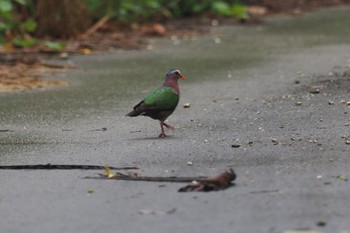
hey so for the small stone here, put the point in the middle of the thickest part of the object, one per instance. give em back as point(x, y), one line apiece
point(149, 47)
point(189, 163)
point(64, 55)
point(321, 223)
point(274, 141)
point(235, 146)
point(319, 177)
point(347, 141)
point(348, 103)
point(214, 23)
point(217, 40)
point(90, 190)
point(315, 90)
point(330, 102)
point(187, 105)
point(298, 103)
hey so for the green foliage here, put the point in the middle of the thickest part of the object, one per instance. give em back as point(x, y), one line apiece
point(14, 28)
point(19, 29)
point(5, 6)
point(237, 10)
point(20, 41)
point(57, 46)
point(6, 14)
point(28, 26)
point(131, 10)
point(125, 10)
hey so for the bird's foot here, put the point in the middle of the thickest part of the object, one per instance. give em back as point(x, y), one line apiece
point(169, 126)
point(162, 135)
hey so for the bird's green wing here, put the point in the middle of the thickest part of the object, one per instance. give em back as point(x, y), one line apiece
point(162, 98)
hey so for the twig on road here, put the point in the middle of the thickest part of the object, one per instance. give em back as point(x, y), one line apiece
point(198, 184)
point(61, 167)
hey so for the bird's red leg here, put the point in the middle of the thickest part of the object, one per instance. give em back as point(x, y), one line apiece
point(169, 126)
point(162, 134)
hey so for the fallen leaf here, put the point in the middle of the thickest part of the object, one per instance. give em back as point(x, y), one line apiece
point(110, 174)
point(90, 190)
point(215, 183)
point(256, 10)
point(342, 178)
point(153, 30)
point(85, 51)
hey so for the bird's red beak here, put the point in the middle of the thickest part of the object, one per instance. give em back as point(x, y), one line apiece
point(183, 77)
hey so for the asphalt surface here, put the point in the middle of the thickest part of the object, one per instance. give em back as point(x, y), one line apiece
point(279, 90)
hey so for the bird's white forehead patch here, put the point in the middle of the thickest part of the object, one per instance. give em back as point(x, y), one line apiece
point(173, 71)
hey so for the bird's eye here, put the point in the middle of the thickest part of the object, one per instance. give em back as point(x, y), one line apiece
point(177, 72)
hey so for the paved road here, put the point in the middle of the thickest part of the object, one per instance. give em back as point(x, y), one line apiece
point(247, 85)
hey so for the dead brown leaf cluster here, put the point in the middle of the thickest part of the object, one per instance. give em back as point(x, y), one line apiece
point(20, 77)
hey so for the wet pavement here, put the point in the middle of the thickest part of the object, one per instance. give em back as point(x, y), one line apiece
point(247, 85)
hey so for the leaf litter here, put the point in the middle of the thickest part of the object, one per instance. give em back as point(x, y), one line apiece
point(19, 74)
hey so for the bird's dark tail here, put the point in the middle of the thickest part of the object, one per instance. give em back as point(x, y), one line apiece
point(137, 111)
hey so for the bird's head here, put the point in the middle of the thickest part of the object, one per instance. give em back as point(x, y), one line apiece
point(175, 73)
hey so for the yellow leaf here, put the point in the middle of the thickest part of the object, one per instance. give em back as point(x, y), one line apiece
point(85, 51)
point(109, 174)
point(90, 190)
